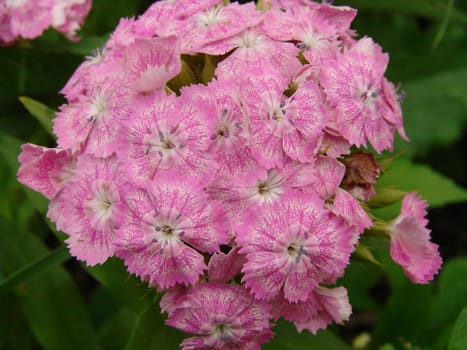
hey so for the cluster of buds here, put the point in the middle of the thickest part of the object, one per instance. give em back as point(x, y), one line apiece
point(212, 148)
point(28, 19)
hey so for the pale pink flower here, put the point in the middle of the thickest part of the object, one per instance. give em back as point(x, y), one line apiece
point(254, 186)
point(229, 132)
point(20, 13)
point(151, 63)
point(170, 136)
point(223, 317)
point(325, 306)
point(282, 126)
point(98, 68)
point(167, 230)
point(326, 175)
point(93, 122)
point(410, 241)
point(69, 15)
point(315, 33)
point(29, 19)
point(173, 297)
point(223, 267)
point(217, 23)
point(45, 170)
point(353, 83)
point(92, 206)
point(253, 51)
point(6, 35)
point(292, 247)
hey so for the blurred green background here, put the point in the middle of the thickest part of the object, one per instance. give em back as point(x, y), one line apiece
point(50, 301)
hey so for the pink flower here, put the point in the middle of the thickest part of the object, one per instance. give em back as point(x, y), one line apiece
point(222, 317)
point(69, 15)
point(169, 136)
point(20, 14)
point(45, 170)
point(292, 247)
point(151, 63)
point(410, 241)
point(227, 120)
point(223, 267)
point(92, 205)
point(93, 122)
point(167, 230)
point(354, 85)
point(66, 16)
point(217, 23)
point(325, 305)
point(282, 126)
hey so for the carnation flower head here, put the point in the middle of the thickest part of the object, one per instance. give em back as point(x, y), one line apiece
point(293, 246)
point(92, 203)
point(215, 148)
point(222, 317)
point(167, 229)
point(65, 16)
point(410, 241)
point(353, 83)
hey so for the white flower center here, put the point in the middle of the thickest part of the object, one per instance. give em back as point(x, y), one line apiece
point(101, 204)
point(152, 79)
point(223, 332)
point(168, 147)
point(210, 17)
point(312, 40)
point(250, 39)
point(269, 190)
point(166, 229)
point(98, 106)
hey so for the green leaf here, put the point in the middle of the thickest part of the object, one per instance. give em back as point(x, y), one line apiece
point(426, 8)
point(458, 339)
point(50, 302)
point(435, 111)
point(287, 338)
point(209, 68)
point(40, 111)
point(126, 288)
point(35, 268)
point(404, 313)
point(451, 297)
point(432, 186)
point(186, 77)
point(13, 324)
point(116, 331)
point(150, 332)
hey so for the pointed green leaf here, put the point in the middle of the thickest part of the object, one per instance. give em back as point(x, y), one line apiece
point(126, 288)
point(150, 332)
point(35, 268)
point(116, 331)
point(208, 70)
point(184, 78)
point(385, 196)
point(425, 8)
point(287, 338)
point(40, 111)
point(50, 302)
point(363, 253)
point(434, 110)
point(432, 186)
point(458, 339)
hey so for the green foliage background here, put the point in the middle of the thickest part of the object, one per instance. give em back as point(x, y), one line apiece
point(50, 301)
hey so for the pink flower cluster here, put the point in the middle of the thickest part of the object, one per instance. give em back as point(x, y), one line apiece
point(208, 146)
point(29, 18)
